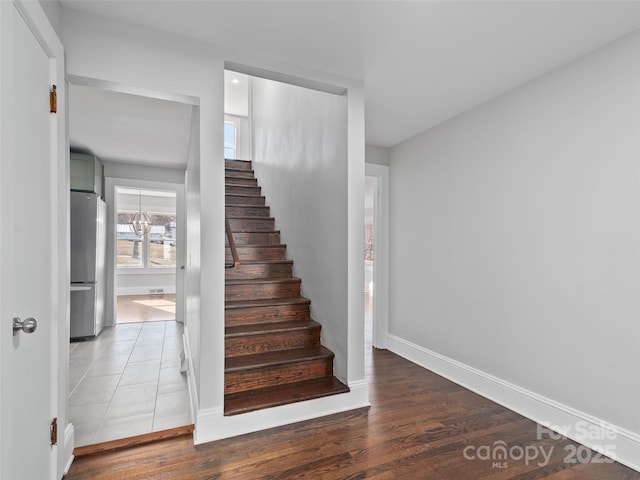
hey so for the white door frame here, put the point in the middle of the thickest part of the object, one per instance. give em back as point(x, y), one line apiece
point(42, 29)
point(380, 253)
point(110, 197)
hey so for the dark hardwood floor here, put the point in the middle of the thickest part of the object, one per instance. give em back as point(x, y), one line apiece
point(419, 426)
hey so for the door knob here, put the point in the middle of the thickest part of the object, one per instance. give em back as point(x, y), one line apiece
point(28, 325)
point(181, 267)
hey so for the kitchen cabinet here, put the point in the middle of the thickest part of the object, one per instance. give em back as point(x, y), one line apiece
point(87, 173)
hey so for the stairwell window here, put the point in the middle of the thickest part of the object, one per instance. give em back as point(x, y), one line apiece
point(229, 140)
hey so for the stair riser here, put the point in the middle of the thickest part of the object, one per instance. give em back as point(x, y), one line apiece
point(255, 238)
point(244, 381)
point(271, 342)
point(248, 402)
point(247, 211)
point(251, 182)
point(243, 200)
point(239, 173)
point(242, 190)
point(260, 270)
point(240, 164)
point(262, 291)
point(248, 253)
point(271, 314)
point(251, 225)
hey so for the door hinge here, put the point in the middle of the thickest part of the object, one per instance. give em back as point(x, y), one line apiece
point(53, 100)
point(54, 431)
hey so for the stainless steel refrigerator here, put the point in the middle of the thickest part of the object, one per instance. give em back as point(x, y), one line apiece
point(88, 273)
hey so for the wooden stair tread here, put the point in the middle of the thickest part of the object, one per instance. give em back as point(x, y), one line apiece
point(247, 205)
point(258, 281)
point(237, 160)
point(242, 195)
point(270, 262)
point(255, 231)
point(236, 403)
point(229, 174)
point(228, 180)
point(241, 217)
point(245, 189)
point(272, 359)
point(266, 302)
point(263, 328)
point(240, 182)
point(261, 245)
point(235, 169)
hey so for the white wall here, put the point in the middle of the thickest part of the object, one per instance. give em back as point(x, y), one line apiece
point(515, 239)
point(377, 155)
point(300, 158)
point(115, 169)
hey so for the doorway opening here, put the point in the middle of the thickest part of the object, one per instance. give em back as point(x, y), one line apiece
point(370, 187)
point(145, 280)
point(376, 262)
point(129, 380)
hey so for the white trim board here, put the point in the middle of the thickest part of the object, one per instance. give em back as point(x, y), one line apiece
point(285, 78)
point(132, 90)
point(69, 443)
point(211, 424)
point(533, 406)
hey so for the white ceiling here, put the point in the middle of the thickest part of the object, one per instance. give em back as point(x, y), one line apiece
point(129, 128)
point(422, 62)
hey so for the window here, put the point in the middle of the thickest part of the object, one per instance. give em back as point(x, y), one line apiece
point(229, 140)
point(162, 241)
point(157, 249)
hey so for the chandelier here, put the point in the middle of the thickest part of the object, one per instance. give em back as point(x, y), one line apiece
point(139, 222)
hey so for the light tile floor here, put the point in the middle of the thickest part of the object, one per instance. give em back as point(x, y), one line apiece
point(127, 382)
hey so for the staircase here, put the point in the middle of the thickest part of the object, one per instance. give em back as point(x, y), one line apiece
point(273, 354)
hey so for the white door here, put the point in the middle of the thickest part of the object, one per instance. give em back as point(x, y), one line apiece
point(28, 249)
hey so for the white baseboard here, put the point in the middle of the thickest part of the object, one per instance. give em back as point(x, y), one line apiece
point(618, 443)
point(67, 447)
point(212, 425)
point(145, 290)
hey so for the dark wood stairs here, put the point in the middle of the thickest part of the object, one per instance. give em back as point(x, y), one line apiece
point(273, 354)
